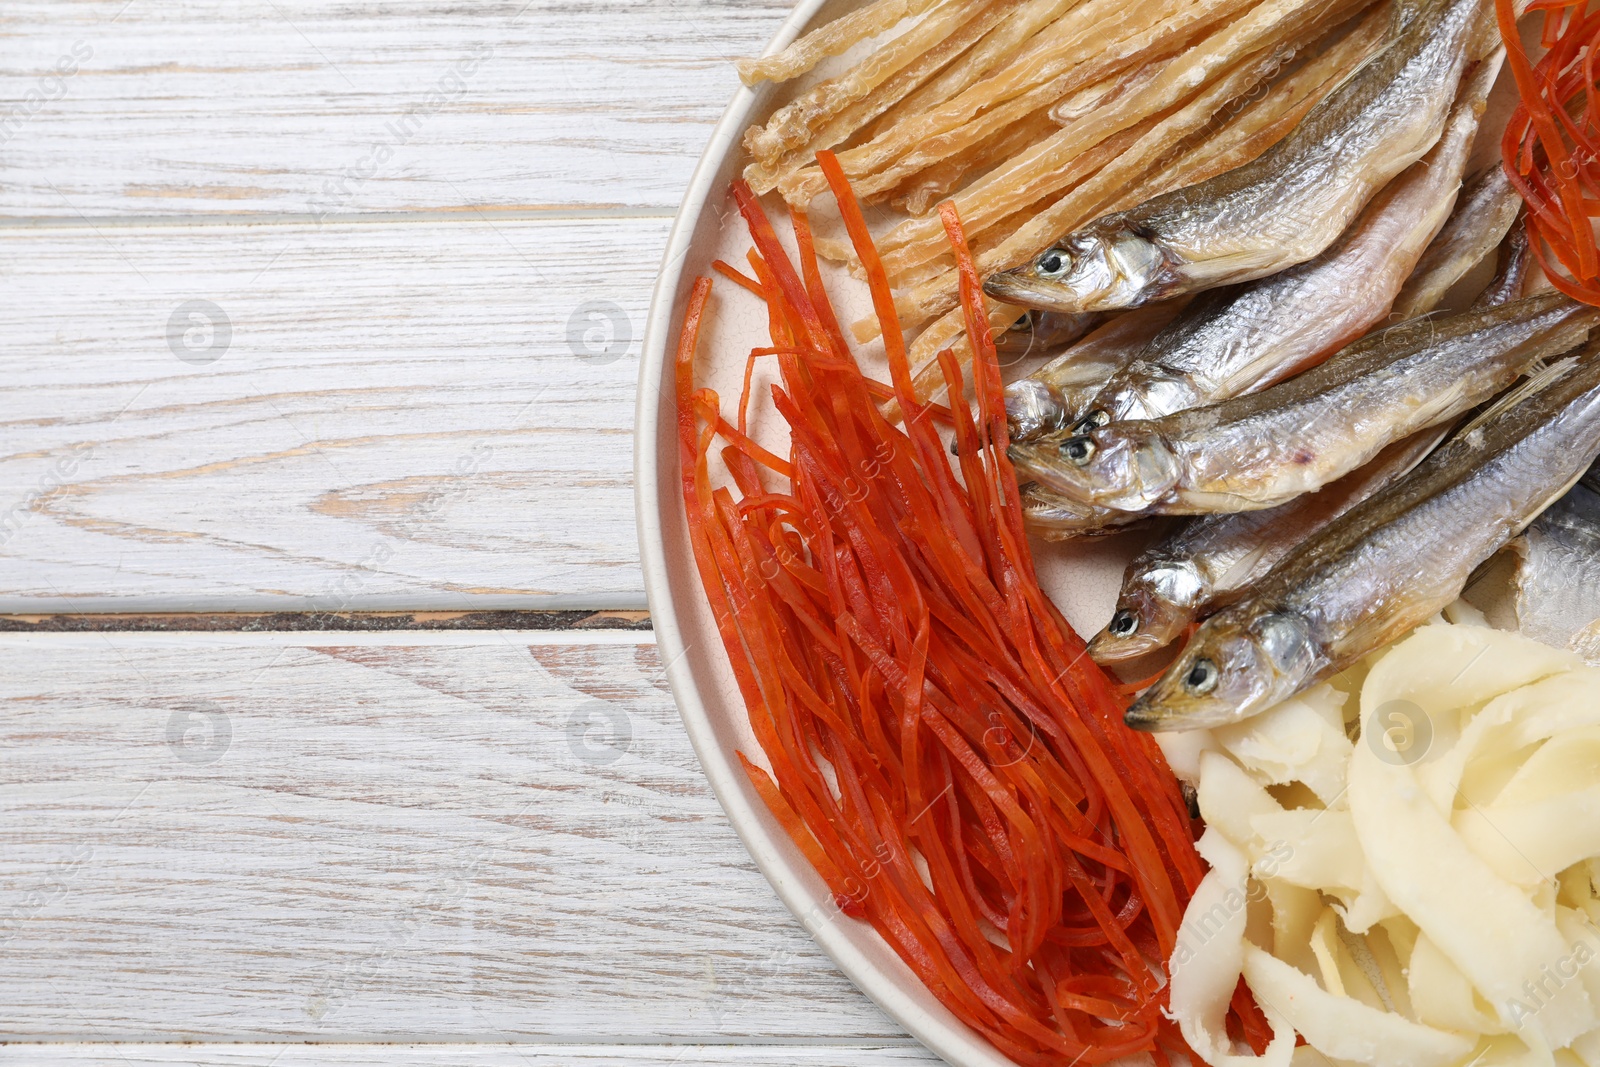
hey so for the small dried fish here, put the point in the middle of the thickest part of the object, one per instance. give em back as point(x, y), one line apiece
point(1242, 339)
point(1484, 212)
point(1284, 207)
point(1046, 401)
point(1391, 562)
point(1055, 518)
point(1040, 332)
point(1511, 271)
point(1262, 450)
point(1557, 579)
point(1177, 579)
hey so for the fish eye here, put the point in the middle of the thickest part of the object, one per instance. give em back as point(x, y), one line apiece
point(1123, 624)
point(1080, 450)
point(1053, 264)
point(1093, 421)
point(1023, 324)
point(1202, 677)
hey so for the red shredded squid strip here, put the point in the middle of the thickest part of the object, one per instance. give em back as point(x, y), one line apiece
point(936, 742)
point(1551, 146)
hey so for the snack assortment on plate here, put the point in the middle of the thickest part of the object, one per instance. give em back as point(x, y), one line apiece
point(1268, 314)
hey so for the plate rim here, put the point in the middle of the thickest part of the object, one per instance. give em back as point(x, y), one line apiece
point(938, 1030)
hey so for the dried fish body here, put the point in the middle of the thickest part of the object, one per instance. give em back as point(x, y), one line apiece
point(1279, 210)
point(1483, 213)
point(1389, 564)
point(1239, 340)
point(1557, 581)
point(1212, 558)
point(1047, 400)
point(1258, 451)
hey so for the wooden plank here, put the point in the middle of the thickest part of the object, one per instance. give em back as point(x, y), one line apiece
point(522, 1055)
point(383, 621)
point(136, 108)
point(328, 838)
point(430, 416)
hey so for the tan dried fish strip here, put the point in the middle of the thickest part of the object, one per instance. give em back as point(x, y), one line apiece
point(833, 39)
point(886, 100)
point(1092, 42)
point(1001, 46)
point(794, 124)
point(919, 194)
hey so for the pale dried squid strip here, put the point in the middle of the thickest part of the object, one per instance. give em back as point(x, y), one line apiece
point(928, 71)
point(833, 39)
point(1092, 42)
point(1210, 957)
point(794, 123)
point(1345, 1028)
point(1411, 848)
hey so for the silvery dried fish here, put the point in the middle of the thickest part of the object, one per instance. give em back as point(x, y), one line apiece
point(1241, 339)
point(1205, 562)
point(1282, 208)
point(1262, 450)
point(1557, 581)
point(1390, 563)
point(1484, 211)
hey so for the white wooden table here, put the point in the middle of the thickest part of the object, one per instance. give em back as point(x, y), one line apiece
point(335, 308)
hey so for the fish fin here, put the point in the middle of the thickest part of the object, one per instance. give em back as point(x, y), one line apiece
point(1539, 378)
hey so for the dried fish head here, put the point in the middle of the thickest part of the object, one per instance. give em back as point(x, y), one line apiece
point(1039, 332)
point(1032, 410)
point(1101, 268)
point(1152, 612)
point(1236, 666)
point(1126, 466)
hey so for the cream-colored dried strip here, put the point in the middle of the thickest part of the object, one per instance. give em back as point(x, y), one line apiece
point(1004, 44)
point(794, 124)
point(884, 100)
point(833, 39)
point(1094, 41)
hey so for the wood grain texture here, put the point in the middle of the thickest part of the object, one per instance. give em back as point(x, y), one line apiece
point(483, 1055)
point(139, 107)
point(429, 416)
point(265, 837)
